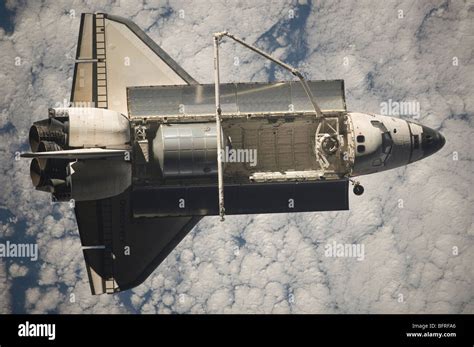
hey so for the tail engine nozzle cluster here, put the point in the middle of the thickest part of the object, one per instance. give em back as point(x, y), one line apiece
point(49, 175)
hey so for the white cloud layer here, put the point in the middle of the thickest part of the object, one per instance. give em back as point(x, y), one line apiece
point(418, 258)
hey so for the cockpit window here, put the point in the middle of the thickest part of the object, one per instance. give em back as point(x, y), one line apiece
point(377, 162)
point(387, 141)
point(416, 141)
point(379, 125)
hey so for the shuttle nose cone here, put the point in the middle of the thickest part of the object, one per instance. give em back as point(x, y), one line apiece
point(431, 141)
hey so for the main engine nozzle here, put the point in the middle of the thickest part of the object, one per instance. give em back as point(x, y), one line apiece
point(46, 174)
point(49, 130)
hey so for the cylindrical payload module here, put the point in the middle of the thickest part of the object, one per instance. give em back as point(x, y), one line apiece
point(187, 150)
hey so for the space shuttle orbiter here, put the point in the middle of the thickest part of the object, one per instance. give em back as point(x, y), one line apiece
point(138, 150)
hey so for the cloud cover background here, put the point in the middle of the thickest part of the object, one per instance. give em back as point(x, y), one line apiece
point(265, 263)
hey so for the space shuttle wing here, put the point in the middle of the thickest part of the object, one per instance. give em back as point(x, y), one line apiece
point(113, 53)
point(121, 251)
